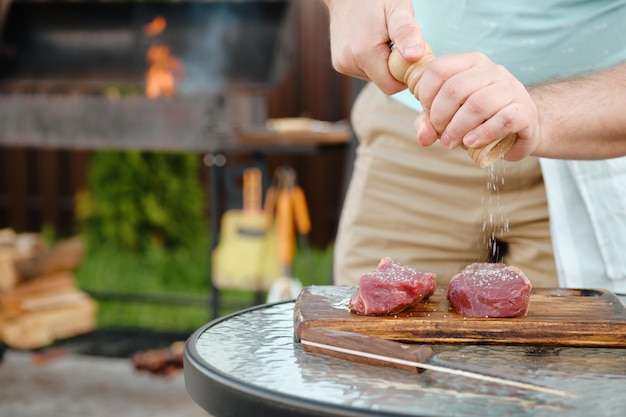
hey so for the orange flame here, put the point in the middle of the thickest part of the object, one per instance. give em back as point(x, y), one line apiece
point(163, 72)
point(155, 27)
point(164, 68)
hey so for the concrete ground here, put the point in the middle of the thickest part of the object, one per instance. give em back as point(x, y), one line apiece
point(74, 385)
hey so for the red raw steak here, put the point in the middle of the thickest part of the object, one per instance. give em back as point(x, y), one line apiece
point(490, 290)
point(391, 288)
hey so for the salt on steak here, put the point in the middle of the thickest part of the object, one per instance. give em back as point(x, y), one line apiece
point(490, 290)
point(391, 288)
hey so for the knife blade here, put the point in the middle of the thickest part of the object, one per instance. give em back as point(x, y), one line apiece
point(357, 347)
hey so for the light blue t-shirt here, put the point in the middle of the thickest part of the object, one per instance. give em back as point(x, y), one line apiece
point(535, 40)
point(538, 41)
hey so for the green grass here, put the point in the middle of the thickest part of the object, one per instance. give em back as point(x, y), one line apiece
point(180, 277)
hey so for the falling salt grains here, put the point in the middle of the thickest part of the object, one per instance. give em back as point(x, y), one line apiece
point(494, 221)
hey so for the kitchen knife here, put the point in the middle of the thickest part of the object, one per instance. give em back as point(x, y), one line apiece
point(371, 350)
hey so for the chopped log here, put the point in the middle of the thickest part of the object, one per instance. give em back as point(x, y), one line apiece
point(63, 256)
point(8, 274)
point(43, 284)
point(15, 306)
point(40, 328)
point(43, 292)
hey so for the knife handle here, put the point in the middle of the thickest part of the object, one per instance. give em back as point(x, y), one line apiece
point(411, 74)
point(330, 338)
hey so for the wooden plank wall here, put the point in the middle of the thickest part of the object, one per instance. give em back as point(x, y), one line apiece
point(38, 186)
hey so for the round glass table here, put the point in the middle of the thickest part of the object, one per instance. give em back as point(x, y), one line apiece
point(248, 364)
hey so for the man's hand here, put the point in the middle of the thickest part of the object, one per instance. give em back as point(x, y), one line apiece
point(471, 101)
point(360, 34)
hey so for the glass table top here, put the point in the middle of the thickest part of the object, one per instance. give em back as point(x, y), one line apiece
point(254, 351)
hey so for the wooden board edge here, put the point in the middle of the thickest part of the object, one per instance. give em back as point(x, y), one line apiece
point(574, 338)
point(298, 319)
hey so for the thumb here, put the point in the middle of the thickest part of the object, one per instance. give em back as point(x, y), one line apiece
point(426, 133)
point(405, 32)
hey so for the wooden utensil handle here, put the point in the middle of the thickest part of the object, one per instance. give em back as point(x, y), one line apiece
point(252, 190)
point(363, 343)
point(411, 74)
point(285, 228)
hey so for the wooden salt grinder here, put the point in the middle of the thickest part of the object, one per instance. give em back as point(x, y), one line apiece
point(411, 74)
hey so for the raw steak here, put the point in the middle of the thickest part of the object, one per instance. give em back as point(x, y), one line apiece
point(391, 288)
point(490, 290)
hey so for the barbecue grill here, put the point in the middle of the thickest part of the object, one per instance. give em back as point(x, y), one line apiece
point(73, 74)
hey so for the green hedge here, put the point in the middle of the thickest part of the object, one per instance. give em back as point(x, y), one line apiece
point(141, 199)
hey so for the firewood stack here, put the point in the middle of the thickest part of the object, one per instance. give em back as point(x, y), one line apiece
point(39, 299)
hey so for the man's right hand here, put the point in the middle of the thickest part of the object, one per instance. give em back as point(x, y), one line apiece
point(360, 32)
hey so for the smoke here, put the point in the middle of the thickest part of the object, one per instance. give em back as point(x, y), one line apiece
point(206, 61)
point(237, 44)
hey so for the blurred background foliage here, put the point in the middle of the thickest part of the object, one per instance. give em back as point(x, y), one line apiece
point(137, 200)
point(145, 224)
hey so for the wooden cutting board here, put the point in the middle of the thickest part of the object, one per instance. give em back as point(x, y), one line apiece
point(565, 317)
